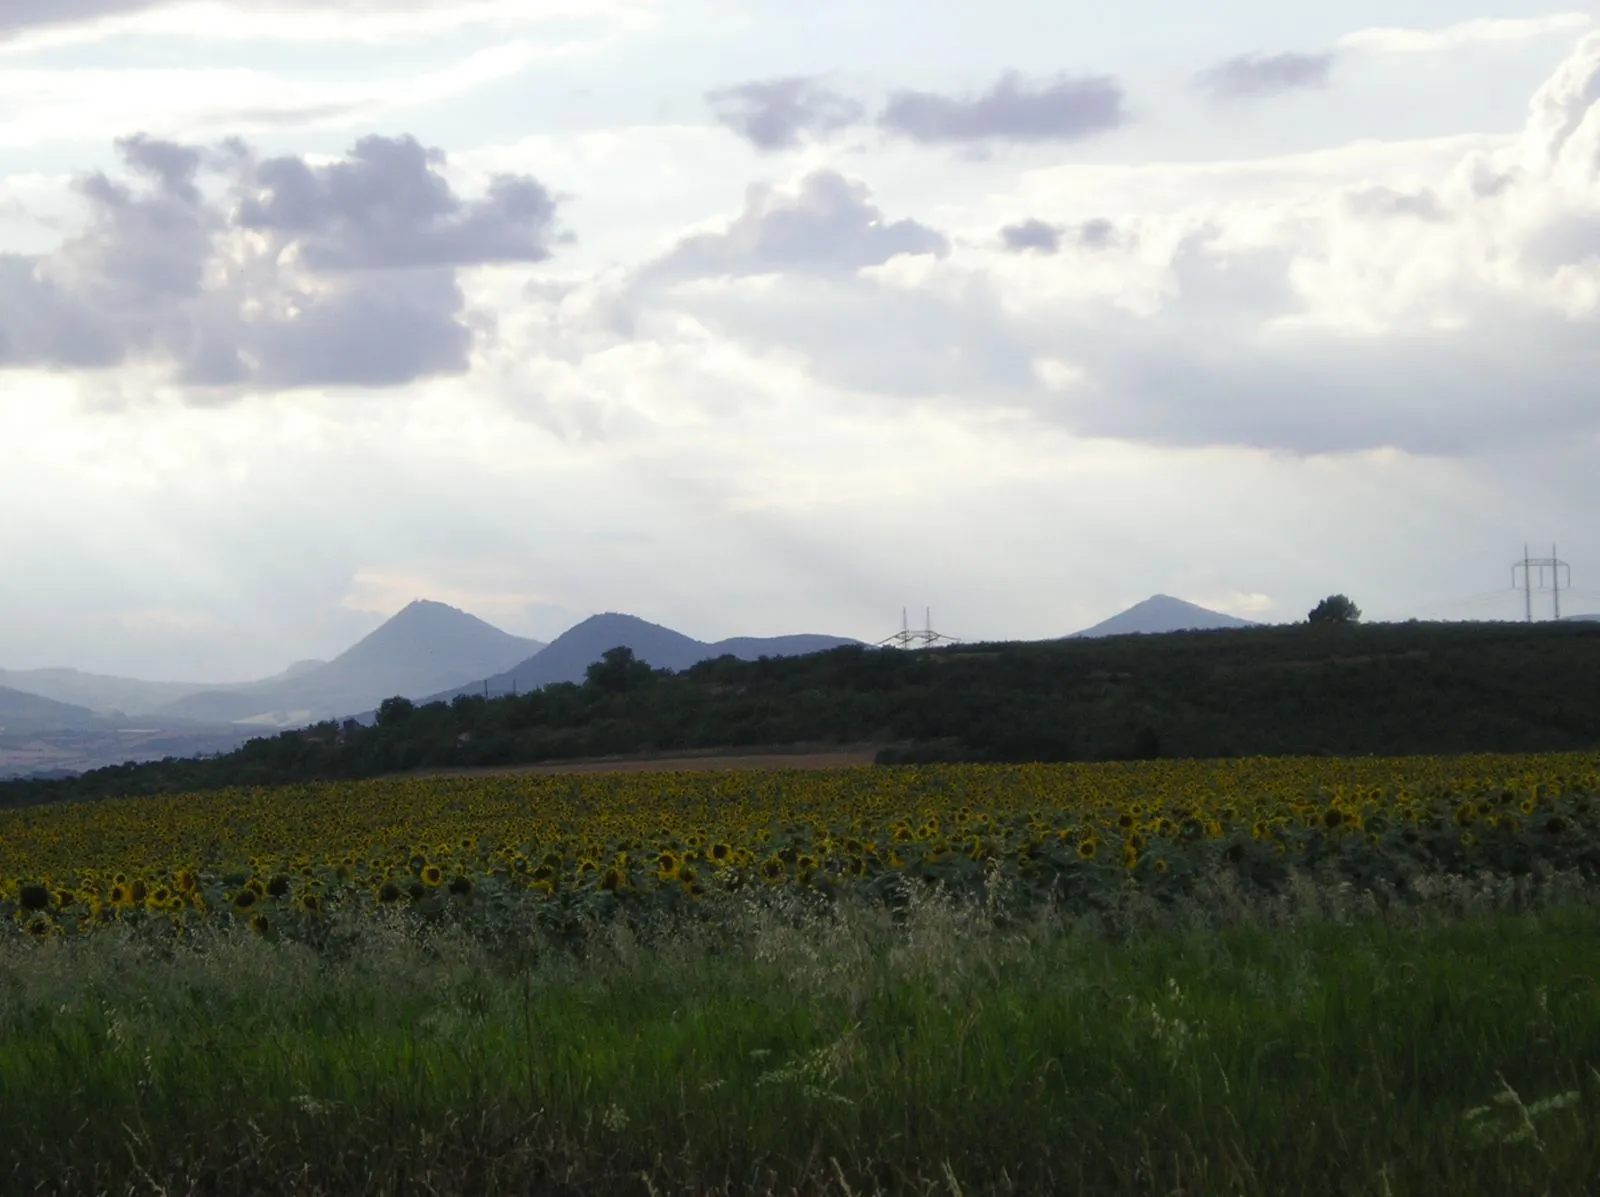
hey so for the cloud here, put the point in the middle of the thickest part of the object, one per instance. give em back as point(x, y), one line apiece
point(576, 26)
point(1031, 235)
point(827, 224)
point(386, 206)
point(81, 102)
point(1393, 40)
point(773, 115)
point(1014, 109)
point(1041, 237)
point(294, 275)
point(1251, 75)
point(18, 16)
point(1439, 299)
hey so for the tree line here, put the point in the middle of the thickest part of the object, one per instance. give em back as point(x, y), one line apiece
point(1330, 687)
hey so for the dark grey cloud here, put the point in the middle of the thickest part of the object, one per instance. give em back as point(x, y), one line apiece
point(1251, 75)
point(1037, 236)
point(349, 277)
point(1033, 235)
point(1097, 233)
point(830, 225)
point(773, 115)
point(1014, 109)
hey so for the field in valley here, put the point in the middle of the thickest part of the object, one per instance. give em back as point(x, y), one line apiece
point(1244, 976)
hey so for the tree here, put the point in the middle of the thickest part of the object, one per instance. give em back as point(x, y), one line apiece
point(1336, 608)
point(394, 711)
point(617, 670)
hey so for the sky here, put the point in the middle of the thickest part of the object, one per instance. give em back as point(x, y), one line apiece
point(753, 318)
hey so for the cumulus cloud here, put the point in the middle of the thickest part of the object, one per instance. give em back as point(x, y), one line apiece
point(386, 206)
point(1366, 306)
point(231, 270)
point(775, 114)
point(1251, 75)
point(826, 224)
point(1038, 236)
point(1486, 31)
point(1014, 109)
point(1031, 235)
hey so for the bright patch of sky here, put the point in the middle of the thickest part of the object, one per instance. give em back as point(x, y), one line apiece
point(753, 318)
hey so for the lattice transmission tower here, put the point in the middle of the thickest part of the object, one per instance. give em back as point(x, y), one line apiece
point(923, 637)
point(1527, 565)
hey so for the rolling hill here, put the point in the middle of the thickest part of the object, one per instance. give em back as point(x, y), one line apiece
point(424, 648)
point(99, 692)
point(25, 713)
point(568, 656)
point(1162, 613)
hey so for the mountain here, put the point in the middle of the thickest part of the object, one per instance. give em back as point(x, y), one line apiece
point(21, 713)
point(569, 655)
point(1163, 613)
point(98, 692)
point(425, 648)
point(1579, 618)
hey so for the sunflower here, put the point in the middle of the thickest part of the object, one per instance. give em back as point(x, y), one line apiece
point(668, 865)
point(1087, 847)
point(259, 924)
point(432, 875)
point(460, 886)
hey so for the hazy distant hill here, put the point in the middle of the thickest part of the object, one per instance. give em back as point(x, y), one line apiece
point(1163, 613)
point(21, 712)
point(98, 692)
point(425, 648)
point(1579, 618)
point(569, 655)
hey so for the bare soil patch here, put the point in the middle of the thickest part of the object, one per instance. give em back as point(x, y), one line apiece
point(773, 758)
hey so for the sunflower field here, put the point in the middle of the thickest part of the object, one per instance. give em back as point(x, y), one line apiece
point(279, 859)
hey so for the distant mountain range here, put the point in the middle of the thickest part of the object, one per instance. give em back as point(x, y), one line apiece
point(426, 647)
point(22, 714)
point(426, 652)
point(1163, 613)
point(569, 655)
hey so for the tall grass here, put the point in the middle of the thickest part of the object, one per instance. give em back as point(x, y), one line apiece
point(1314, 1044)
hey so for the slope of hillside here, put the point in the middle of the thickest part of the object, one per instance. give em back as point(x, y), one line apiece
point(1163, 613)
point(98, 692)
point(569, 655)
point(424, 648)
point(20, 712)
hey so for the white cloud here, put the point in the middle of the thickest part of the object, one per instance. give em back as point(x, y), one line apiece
point(590, 24)
point(40, 105)
point(1442, 298)
point(1394, 40)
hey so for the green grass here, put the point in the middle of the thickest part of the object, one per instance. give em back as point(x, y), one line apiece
point(1303, 1048)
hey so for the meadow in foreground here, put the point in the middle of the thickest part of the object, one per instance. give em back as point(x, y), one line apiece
point(1245, 977)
